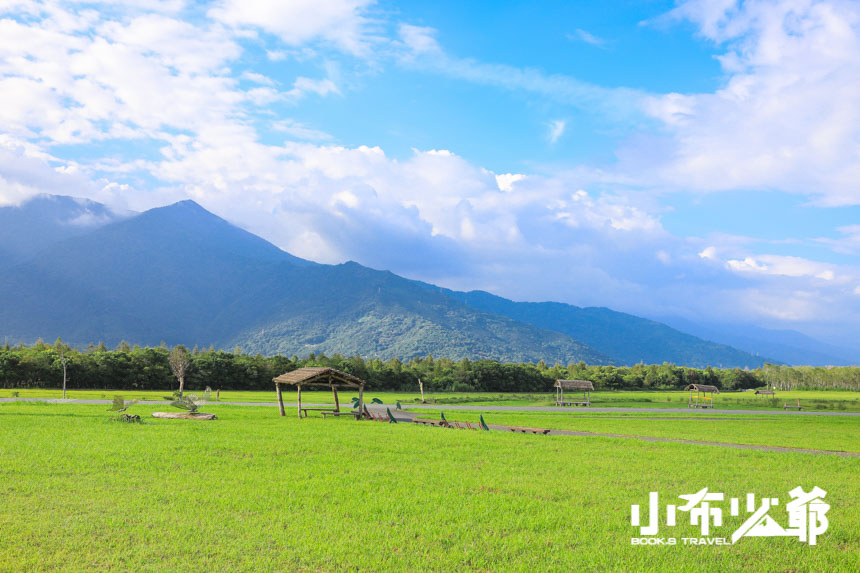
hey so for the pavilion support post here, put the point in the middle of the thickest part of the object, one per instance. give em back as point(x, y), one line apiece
point(361, 398)
point(299, 399)
point(336, 401)
point(280, 399)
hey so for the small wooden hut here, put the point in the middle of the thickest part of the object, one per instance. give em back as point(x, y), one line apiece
point(319, 377)
point(584, 386)
point(765, 393)
point(704, 395)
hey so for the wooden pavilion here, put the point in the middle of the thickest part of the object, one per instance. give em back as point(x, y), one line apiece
point(704, 395)
point(765, 393)
point(320, 377)
point(584, 386)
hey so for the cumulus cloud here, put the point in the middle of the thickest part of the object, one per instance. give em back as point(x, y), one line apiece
point(786, 116)
point(343, 23)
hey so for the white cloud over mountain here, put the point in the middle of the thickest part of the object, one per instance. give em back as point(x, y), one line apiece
point(177, 83)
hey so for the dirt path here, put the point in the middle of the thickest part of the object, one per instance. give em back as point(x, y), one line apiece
point(695, 442)
point(708, 414)
point(405, 416)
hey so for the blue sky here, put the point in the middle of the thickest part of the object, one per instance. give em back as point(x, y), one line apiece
point(695, 159)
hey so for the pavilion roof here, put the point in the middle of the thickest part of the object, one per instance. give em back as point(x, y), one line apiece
point(574, 384)
point(318, 376)
point(703, 388)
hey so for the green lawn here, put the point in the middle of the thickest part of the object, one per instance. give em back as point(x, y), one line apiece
point(253, 491)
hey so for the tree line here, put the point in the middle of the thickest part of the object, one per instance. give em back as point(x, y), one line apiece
point(148, 368)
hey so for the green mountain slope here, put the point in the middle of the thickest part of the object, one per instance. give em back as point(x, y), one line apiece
point(352, 309)
point(628, 339)
point(183, 275)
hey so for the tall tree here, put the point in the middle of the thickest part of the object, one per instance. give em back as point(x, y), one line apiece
point(180, 361)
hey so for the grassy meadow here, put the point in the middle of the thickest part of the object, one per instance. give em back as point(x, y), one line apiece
point(253, 491)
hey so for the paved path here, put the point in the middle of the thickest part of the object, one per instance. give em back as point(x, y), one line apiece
point(689, 411)
point(693, 413)
point(406, 416)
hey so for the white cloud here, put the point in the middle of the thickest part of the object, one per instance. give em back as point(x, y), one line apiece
point(784, 266)
point(588, 38)
point(848, 243)
point(257, 78)
point(343, 23)
point(506, 181)
point(786, 117)
point(300, 131)
point(709, 253)
point(321, 87)
point(418, 48)
point(556, 129)
point(419, 40)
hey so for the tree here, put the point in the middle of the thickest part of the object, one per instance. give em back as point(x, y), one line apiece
point(58, 345)
point(180, 361)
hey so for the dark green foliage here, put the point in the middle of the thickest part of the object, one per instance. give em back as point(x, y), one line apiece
point(39, 366)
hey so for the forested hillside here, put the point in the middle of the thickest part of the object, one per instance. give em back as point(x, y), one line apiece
point(137, 368)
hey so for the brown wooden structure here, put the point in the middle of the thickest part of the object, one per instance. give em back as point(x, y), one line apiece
point(584, 386)
point(765, 393)
point(704, 395)
point(320, 377)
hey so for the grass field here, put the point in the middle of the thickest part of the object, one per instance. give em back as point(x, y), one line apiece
point(253, 491)
point(813, 401)
point(840, 434)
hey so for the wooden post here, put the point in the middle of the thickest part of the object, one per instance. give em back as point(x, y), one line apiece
point(421, 387)
point(336, 402)
point(361, 398)
point(299, 386)
point(280, 399)
point(63, 358)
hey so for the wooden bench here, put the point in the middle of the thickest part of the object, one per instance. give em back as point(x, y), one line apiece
point(529, 430)
point(427, 422)
point(573, 403)
point(304, 411)
point(354, 413)
point(787, 407)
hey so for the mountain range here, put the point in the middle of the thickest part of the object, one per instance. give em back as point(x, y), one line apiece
point(75, 269)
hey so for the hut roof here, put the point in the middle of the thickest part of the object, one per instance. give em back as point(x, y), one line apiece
point(315, 376)
point(703, 388)
point(766, 392)
point(574, 384)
